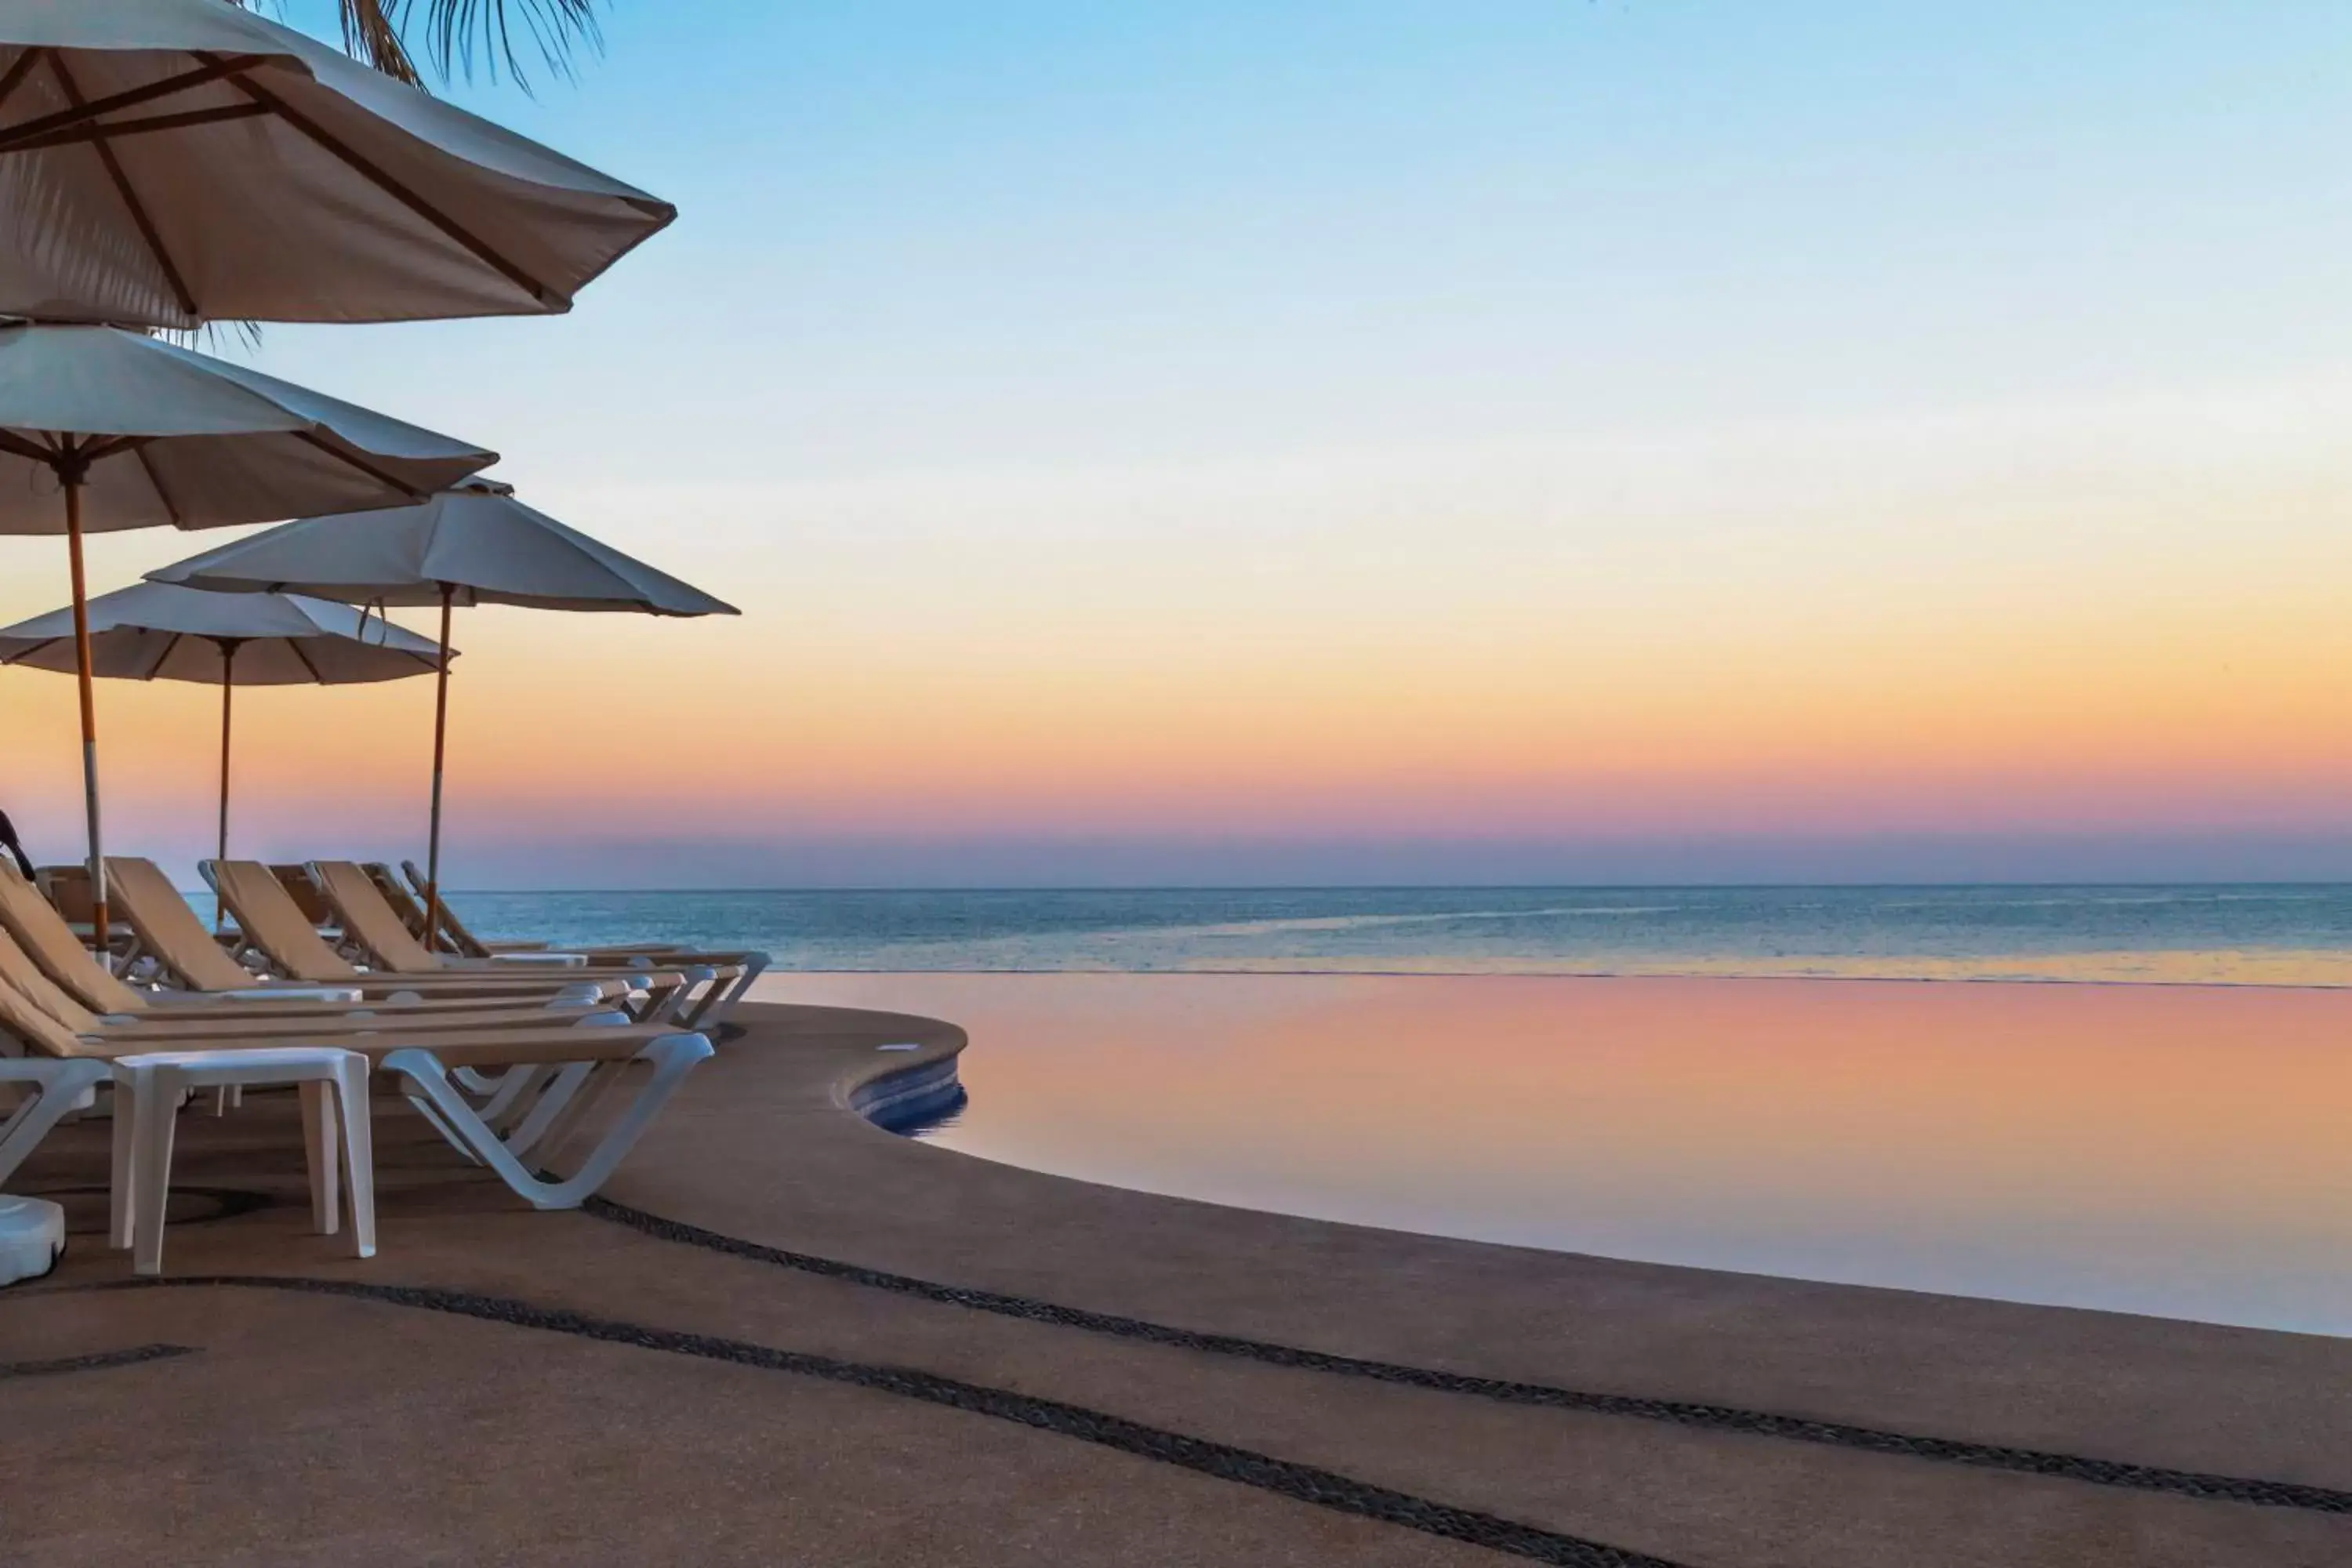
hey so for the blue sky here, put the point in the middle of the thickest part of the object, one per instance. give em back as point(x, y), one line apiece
point(950, 235)
point(1887, 439)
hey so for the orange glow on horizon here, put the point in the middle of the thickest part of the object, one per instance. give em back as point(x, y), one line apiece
point(2042, 652)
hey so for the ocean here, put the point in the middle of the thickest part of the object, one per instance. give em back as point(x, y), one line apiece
point(2256, 933)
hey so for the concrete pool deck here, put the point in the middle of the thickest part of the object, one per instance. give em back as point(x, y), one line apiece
point(789, 1336)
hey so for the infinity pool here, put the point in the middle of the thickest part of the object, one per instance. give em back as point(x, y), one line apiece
point(2173, 1150)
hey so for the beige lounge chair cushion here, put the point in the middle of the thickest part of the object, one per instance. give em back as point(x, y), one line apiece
point(271, 920)
point(18, 971)
point(371, 922)
point(168, 928)
point(43, 932)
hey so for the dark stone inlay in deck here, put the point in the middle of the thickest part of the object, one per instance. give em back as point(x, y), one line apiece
point(98, 1362)
point(1243, 1467)
point(1681, 1413)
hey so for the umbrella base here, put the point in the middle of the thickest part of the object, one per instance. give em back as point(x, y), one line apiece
point(32, 1238)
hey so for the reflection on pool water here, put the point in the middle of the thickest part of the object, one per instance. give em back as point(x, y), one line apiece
point(2179, 1150)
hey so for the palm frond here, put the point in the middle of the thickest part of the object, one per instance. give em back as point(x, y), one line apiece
point(461, 32)
point(372, 33)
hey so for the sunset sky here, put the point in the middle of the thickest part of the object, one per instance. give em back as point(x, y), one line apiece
point(1658, 439)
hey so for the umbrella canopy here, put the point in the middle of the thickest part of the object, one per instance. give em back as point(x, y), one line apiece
point(163, 435)
point(134, 433)
point(150, 631)
point(165, 162)
point(472, 544)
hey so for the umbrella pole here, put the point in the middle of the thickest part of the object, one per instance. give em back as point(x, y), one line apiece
point(72, 470)
point(228, 687)
point(440, 751)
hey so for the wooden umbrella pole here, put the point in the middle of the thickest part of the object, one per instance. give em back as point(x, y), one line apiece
point(440, 752)
point(228, 687)
point(72, 469)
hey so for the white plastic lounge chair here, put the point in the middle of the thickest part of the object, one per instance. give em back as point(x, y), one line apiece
point(566, 1073)
point(162, 1029)
point(270, 925)
point(457, 940)
point(372, 923)
point(173, 938)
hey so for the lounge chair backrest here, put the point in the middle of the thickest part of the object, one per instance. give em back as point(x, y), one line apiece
point(40, 1033)
point(19, 971)
point(368, 921)
point(68, 889)
point(168, 929)
point(268, 917)
point(463, 939)
point(43, 934)
point(410, 912)
point(296, 880)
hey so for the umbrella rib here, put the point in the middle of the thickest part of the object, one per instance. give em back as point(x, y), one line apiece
point(296, 643)
point(32, 452)
point(370, 470)
point(113, 446)
point(117, 129)
point(215, 67)
point(360, 165)
point(164, 657)
point(33, 652)
point(19, 71)
point(156, 481)
point(123, 188)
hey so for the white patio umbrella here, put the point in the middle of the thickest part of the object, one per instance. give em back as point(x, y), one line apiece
point(101, 431)
point(166, 163)
point(472, 544)
point(151, 631)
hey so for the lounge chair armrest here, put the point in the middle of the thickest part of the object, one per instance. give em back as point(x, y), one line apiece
point(289, 994)
point(544, 960)
point(74, 1072)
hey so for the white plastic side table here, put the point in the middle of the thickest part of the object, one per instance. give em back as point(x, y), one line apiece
point(154, 1085)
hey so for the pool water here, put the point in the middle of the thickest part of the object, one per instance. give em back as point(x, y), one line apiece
point(2171, 1150)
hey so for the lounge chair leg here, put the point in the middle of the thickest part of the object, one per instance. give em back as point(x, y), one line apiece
point(559, 1094)
point(598, 1088)
point(504, 1101)
point(663, 1004)
point(672, 1057)
point(753, 967)
point(425, 1109)
point(57, 1088)
point(718, 1004)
